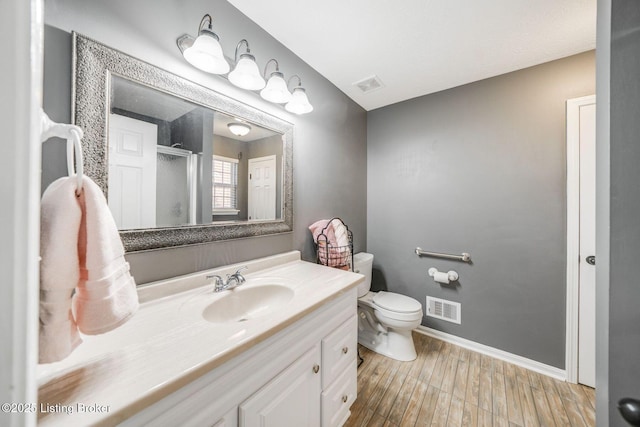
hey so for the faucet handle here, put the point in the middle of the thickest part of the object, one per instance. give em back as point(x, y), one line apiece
point(217, 278)
point(244, 267)
point(218, 282)
point(239, 277)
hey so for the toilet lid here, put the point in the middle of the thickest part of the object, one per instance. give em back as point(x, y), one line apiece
point(396, 302)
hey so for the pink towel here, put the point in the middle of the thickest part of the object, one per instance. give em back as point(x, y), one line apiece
point(333, 242)
point(59, 270)
point(106, 296)
point(317, 228)
point(81, 250)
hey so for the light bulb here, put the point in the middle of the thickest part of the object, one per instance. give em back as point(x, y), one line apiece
point(299, 103)
point(276, 89)
point(239, 129)
point(246, 75)
point(206, 54)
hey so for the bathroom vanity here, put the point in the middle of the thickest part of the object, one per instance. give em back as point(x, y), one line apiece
point(279, 350)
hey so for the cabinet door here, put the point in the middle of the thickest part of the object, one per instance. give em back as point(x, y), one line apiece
point(291, 399)
point(337, 399)
point(229, 420)
point(339, 350)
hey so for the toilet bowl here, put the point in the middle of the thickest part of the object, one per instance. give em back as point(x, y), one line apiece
point(385, 319)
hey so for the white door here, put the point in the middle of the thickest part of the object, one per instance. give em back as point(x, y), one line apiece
point(262, 188)
point(132, 172)
point(587, 269)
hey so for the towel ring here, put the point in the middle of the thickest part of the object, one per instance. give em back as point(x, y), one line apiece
point(73, 134)
point(73, 145)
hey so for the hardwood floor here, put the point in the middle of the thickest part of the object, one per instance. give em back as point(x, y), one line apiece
point(451, 386)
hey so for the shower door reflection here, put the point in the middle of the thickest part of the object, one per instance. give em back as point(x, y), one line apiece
point(176, 179)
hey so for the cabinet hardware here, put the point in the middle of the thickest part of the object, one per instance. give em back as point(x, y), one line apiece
point(345, 398)
point(345, 350)
point(316, 368)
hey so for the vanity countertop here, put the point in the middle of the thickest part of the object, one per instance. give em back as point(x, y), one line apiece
point(168, 344)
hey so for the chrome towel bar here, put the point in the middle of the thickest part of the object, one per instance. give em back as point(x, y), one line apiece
point(465, 257)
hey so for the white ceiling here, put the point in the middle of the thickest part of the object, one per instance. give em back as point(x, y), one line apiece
point(418, 47)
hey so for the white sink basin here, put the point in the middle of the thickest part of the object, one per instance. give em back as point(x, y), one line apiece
point(242, 303)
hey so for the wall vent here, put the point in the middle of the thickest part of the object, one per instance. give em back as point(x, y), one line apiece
point(444, 310)
point(369, 84)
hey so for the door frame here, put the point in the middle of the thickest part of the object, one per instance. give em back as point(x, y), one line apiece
point(20, 173)
point(573, 232)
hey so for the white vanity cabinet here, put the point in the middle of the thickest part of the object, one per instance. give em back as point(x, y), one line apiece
point(305, 375)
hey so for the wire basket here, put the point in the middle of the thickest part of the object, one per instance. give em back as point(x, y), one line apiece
point(331, 254)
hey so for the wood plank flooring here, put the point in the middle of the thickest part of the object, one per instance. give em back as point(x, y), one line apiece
point(449, 386)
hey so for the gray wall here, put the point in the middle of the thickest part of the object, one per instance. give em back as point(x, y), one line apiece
point(56, 101)
point(329, 144)
point(193, 131)
point(480, 169)
point(618, 241)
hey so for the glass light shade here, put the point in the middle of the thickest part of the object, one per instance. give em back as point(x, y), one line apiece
point(239, 129)
point(246, 75)
point(299, 103)
point(206, 54)
point(276, 89)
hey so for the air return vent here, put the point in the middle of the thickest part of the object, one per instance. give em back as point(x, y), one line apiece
point(369, 84)
point(443, 309)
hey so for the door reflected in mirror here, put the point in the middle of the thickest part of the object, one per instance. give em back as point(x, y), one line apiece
point(172, 162)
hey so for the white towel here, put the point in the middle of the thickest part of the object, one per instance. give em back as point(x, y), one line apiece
point(81, 250)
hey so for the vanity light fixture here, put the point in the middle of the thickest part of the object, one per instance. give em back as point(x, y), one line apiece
point(205, 53)
point(299, 103)
point(246, 74)
point(276, 89)
point(239, 129)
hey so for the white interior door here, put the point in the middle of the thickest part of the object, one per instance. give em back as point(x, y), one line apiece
point(262, 188)
point(587, 269)
point(132, 172)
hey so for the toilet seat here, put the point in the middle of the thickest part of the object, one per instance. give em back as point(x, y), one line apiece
point(406, 317)
point(396, 306)
point(396, 302)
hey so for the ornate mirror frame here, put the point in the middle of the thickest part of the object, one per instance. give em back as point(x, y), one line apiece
point(93, 66)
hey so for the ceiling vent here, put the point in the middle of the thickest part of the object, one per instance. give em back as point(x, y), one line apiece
point(369, 84)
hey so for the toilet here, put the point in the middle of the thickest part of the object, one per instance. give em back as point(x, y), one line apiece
point(385, 319)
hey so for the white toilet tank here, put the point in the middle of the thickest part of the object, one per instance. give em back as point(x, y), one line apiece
point(363, 264)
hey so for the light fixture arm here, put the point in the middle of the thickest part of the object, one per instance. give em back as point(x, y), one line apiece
point(208, 21)
point(267, 65)
point(240, 43)
point(291, 78)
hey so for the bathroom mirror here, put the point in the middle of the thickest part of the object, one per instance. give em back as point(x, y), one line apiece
point(179, 163)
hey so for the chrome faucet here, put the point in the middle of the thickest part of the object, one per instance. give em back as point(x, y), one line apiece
point(232, 281)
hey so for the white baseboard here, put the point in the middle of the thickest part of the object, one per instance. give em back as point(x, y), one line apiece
point(541, 368)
